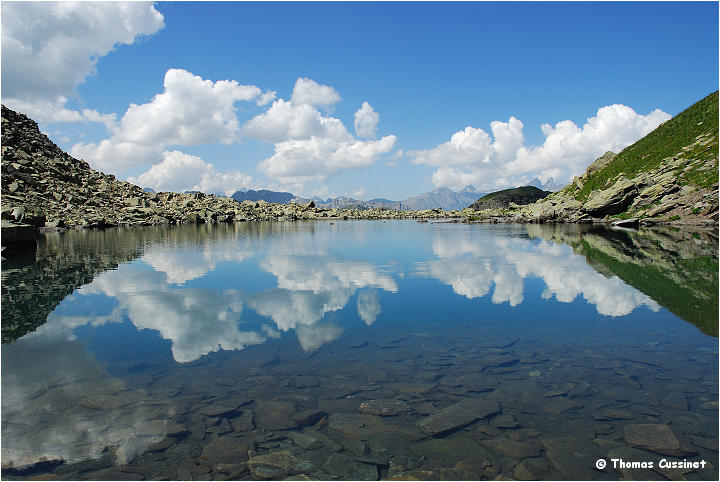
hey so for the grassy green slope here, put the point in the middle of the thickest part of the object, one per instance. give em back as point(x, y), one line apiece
point(667, 140)
point(502, 199)
point(696, 300)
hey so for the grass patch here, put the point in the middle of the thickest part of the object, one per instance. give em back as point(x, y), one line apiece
point(695, 300)
point(668, 140)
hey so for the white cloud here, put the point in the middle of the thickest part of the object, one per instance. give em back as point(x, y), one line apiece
point(184, 264)
point(309, 145)
point(473, 267)
point(312, 337)
point(368, 306)
point(474, 157)
point(189, 111)
point(196, 321)
point(310, 286)
point(319, 159)
point(469, 146)
point(285, 120)
point(366, 121)
point(181, 172)
point(266, 97)
point(309, 92)
point(49, 48)
point(360, 192)
point(48, 111)
point(109, 156)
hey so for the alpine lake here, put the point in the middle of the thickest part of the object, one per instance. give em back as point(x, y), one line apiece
point(362, 350)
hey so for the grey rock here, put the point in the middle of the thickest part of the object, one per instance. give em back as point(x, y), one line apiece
point(277, 465)
point(244, 422)
point(276, 415)
point(573, 457)
point(347, 468)
point(18, 235)
point(655, 437)
point(384, 407)
point(457, 416)
point(613, 200)
point(511, 448)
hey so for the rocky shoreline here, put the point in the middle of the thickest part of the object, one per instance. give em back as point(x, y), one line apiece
point(44, 187)
point(655, 197)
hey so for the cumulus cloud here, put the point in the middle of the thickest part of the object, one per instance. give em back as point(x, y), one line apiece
point(184, 264)
point(310, 145)
point(366, 121)
point(108, 155)
point(309, 92)
point(318, 159)
point(310, 286)
point(190, 111)
point(49, 48)
point(368, 305)
point(196, 321)
point(182, 172)
point(473, 157)
point(286, 120)
point(473, 267)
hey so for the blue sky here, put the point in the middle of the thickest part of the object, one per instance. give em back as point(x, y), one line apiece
point(490, 94)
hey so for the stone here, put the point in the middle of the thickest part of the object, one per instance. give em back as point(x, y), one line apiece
point(613, 414)
point(449, 450)
point(226, 450)
point(613, 200)
point(309, 417)
point(223, 407)
point(630, 454)
point(106, 460)
point(627, 223)
point(306, 440)
point(559, 405)
point(277, 465)
point(276, 415)
point(347, 468)
point(675, 401)
point(244, 422)
point(18, 235)
point(457, 416)
point(655, 437)
point(511, 448)
point(384, 407)
point(573, 457)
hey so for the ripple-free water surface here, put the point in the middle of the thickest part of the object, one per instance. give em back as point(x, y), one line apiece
point(246, 351)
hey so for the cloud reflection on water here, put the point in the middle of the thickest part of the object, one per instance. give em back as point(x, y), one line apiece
point(473, 266)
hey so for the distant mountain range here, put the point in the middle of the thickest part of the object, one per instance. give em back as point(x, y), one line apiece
point(264, 195)
point(549, 185)
point(441, 197)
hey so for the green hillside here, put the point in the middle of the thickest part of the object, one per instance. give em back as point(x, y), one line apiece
point(692, 134)
point(502, 199)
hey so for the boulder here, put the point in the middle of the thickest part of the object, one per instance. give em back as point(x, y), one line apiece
point(613, 200)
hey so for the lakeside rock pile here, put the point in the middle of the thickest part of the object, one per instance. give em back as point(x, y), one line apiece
point(657, 196)
point(42, 186)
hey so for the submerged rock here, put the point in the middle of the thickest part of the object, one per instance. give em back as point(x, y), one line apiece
point(277, 465)
point(457, 416)
point(384, 407)
point(347, 468)
point(276, 415)
point(655, 437)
